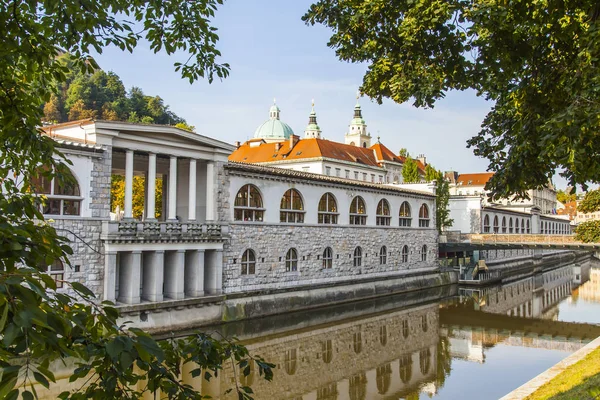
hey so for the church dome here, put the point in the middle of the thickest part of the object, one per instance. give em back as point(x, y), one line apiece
point(273, 128)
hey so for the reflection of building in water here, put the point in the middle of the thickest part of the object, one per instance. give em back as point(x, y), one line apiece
point(531, 297)
point(590, 290)
point(391, 354)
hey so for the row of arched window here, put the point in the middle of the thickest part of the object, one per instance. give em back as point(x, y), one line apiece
point(62, 198)
point(248, 206)
point(523, 226)
point(249, 259)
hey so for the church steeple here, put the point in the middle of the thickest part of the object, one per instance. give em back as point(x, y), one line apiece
point(312, 130)
point(274, 111)
point(357, 130)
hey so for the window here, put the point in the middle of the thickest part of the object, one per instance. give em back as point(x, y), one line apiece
point(383, 255)
point(405, 219)
point(327, 210)
point(248, 262)
point(373, 178)
point(425, 361)
point(405, 368)
point(248, 204)
point(405, 328)
point(357, 387)
point(291, 260)
point(364, 176)
point(247, 380)
point(357, 342)
point(424, 326)
point(327, 171)
point(405, 254)
point(327, 351)
point(57, 271)
point(528, 228)
point(355, 175)
point(337, 172)
point(510, 225)
point(357, 257)
point(424, 216)
point(383, 335)
point(496, 228)
point(383, 378)
point(290, 363)
point(347, 174)
point(383, 213)
point(327, 258)
point(63, 198)
point(380, 178)
point(486, 224)
point(358, 211)
point(292, 208)
point(424, 253)
point(516, 225)
point(396, 179)
point(503, 224)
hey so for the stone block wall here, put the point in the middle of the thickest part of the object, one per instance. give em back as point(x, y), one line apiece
point(222, 186)
point(271, 242)
point(100, 185)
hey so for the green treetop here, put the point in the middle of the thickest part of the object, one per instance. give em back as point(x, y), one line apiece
point(536, 61)
point(410, 171)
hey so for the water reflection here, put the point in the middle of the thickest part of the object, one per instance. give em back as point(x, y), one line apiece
point(432, 343)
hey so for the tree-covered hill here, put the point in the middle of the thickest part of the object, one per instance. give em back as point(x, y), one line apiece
point(102, 95)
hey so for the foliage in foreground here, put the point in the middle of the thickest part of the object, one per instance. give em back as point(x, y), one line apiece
point(588, 231)
point(536, 61)
point(39, 325)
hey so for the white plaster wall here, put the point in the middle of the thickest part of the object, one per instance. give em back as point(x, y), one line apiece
point(272, 191)
point(462, 210)
point(82, 171)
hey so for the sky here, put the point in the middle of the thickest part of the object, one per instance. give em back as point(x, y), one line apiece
point(273, 54)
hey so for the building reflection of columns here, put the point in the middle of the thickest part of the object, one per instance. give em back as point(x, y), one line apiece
point(128, 212)
point(172, 204)
point(210, 191)
point(151, 185)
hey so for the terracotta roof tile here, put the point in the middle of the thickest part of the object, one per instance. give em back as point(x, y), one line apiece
point(476, 179)
point(385, 154)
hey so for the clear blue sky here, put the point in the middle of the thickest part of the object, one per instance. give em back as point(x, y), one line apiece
point(273, 54)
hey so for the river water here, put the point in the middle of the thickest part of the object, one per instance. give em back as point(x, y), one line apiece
point(443, 343)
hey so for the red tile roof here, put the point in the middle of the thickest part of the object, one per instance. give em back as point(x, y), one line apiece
point(477, 179)
point(385, 154)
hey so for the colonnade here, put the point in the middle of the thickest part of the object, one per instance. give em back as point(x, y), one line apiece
point(157, 275)
point(171, 215)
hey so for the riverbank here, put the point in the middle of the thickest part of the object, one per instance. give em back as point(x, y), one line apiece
point(577, 377)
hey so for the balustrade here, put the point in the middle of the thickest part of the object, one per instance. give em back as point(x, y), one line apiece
point(163, 229)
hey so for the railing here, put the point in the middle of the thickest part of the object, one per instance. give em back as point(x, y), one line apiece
point(509, 238)
point(482, 276)
point(163, 229)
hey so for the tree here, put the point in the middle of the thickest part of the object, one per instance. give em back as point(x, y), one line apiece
point(442, 210)
point(185, 126)
point(410, 171)
point(565, 197)
point(39, 324)
point(404, 153)
point(589, 231)
point(591, 202)
point(535, 61)
point(431, 174)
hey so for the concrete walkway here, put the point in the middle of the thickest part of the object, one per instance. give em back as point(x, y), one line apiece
point(530, 387)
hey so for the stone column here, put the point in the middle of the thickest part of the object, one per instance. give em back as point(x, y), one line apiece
point(188, 379)
point(213, 273)
point(110, 276)
point(210, 191)
point(129, 277)
point(175, 274)
point(152, 287)
point(172, 209)
point(128, 184)
point(151, 185)
point(192, 195)
point(194, 273)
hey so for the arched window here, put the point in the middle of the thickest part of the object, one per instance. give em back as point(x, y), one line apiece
point(517, 225)
point(486, 224)
point(57, 271)
point(424, 253)
point(357, 387)
point(405, 254)
point(248, 262)
point(496, 228)
point(291, 359)
point(358, 211)
point(357, 257)
point(327, 351)
point(405, 328)
point(292, 208)
point(383, 335)
point(247, 374)
point(248, 204)
point(328, 213)
point(357, 342)
point(405, 219)
point(523, 226)
point(424, 216)
point(62, 198)
point(425, 361)
point(383, 255)
point(383, 377)
point(528, 227)
point(510, 225)
point(424, 326)
point(405, 368)
point(503, 224)
point(291, 260)
point(383, 213)
point(327, 258)
point(396, 179)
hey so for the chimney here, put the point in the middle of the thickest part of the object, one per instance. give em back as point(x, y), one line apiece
point(277, 146)
point(237, 144)
point(293, 141)
point(452, 176)
point(421, 157)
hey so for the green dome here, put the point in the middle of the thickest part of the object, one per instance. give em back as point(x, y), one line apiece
point(273, 128)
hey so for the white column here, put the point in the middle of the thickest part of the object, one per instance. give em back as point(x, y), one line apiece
point(152, 288)
point(210, 191)
point(213, 273)
point(194, 273)
point(192, 187)
point(172, 209)
point(129, 277)
point(128, 184)
point(175, 274)
point(151, 185)
point(110, 275)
